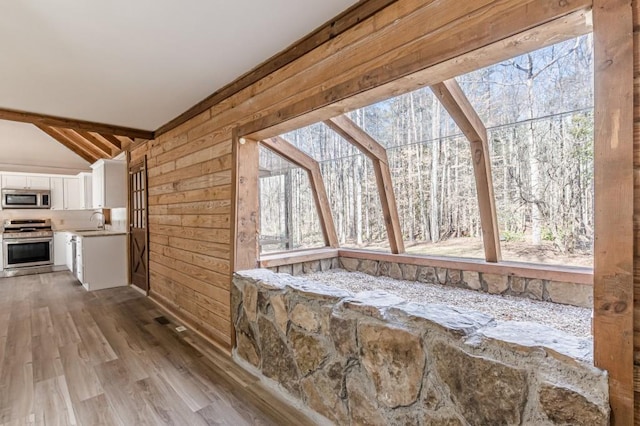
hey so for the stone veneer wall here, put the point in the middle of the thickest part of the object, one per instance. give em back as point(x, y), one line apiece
point(375, 359)
point(568, 293)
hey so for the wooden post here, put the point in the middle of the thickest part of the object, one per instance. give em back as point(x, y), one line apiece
point(288, 151)
point(378, 155)
point(456, 103)
point(614, 191)
point(246, 214)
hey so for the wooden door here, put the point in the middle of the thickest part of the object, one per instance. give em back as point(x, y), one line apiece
point(139, 235)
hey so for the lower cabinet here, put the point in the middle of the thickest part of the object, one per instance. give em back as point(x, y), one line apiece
point(102, 261)
point(60, 248)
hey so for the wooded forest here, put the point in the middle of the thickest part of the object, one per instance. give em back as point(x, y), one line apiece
point(538, 109)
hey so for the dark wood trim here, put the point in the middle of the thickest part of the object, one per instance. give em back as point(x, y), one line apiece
point(460, 109)
point(331, 29)
point(103, 147)
point(62, 139)
point(357, 137)
point(577, 275)
point(613, 299)
point(69, 123)
point(298, 256)
point(429, 52)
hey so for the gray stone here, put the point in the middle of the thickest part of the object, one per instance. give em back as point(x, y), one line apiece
point(496, 284)
point(473, 280)
point(324, 393)
point(409, 272)
point(267, 279)
point(535, 289)
point(315, 290)
point(455, 277)
point(456, 321)
point(296, 269)
point(404, 418)
point(528, 336)
point(311, 266)
point(280, 312)
point(395, 361)
point(441, 273)
point(443, 421)
point(373, 303)
point(427, 274)
point(326, 264)
point(349, 264)
point(369, 267)
point(395, 271)
point(285, 269)
point(246, 343)
point(343, 333)
point(518, 285)
point(308, 351)
point(363, 408)
point(486, 392)
point(568, 407)
point(277, 360)
point(571, 293)
point(305, 317)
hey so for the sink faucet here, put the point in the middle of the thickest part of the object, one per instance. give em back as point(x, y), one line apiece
point(101, 219)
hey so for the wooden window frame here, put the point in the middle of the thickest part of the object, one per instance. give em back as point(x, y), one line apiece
point(613, 135)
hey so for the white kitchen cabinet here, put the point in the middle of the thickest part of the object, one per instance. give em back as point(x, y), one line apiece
point(69, 251)
point(109, 184)
point(57, 193)
point(1, 254)
point(102, 261)
point(72, 195)
point(85, 191)
point(60, 248)
point(25, 182)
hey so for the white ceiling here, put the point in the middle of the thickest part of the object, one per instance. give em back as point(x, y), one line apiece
point(140, 63)
point(25, 148)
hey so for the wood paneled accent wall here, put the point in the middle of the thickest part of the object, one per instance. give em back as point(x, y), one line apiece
point(189, 167)
point(636, 205)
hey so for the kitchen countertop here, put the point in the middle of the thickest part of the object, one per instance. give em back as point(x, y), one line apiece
point(92, 232)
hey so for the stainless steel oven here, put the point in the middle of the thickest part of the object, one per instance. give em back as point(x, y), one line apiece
point(26, 199)
point(27, 243)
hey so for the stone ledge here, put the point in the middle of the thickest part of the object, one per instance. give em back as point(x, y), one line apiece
point(375, 358)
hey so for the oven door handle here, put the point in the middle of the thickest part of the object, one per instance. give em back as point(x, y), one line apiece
point(29, 240)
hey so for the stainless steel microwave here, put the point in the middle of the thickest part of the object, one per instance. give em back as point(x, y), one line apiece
point(26, 199)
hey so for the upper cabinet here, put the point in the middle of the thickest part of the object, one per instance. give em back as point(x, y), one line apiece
point(25, 182)
point(109, 184)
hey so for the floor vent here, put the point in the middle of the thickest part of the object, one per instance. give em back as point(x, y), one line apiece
point(162, 320)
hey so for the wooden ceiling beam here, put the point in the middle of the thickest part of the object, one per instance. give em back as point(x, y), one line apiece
point(356, 136)
point(63, 140)
point(460, 109)
point(82, 142)
point(68, 123)
point(298, 157)
point(107, 149)
point(353, 134)
point(110, 139)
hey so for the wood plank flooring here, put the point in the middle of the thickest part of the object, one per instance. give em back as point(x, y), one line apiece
point(68, 357)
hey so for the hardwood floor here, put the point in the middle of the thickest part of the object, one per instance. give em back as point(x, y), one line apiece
point(69, 357)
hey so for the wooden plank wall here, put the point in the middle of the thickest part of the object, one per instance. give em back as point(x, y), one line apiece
point(190, 166)
point(636, 206)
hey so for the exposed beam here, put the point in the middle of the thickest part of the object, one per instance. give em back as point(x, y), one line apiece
point(245, 206)
point(288, 151)
point(90, 158)
point(456, 103)
point(68, 123)
point(613, 299)
point(82, 142)
point(331, 29)
point(110, 139)
point(353, 134)
point(431, 55)
point(98, 143)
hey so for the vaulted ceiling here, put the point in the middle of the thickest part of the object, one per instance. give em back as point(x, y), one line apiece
point(139, 64)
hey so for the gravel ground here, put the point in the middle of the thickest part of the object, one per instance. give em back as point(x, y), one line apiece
point(570, 319)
